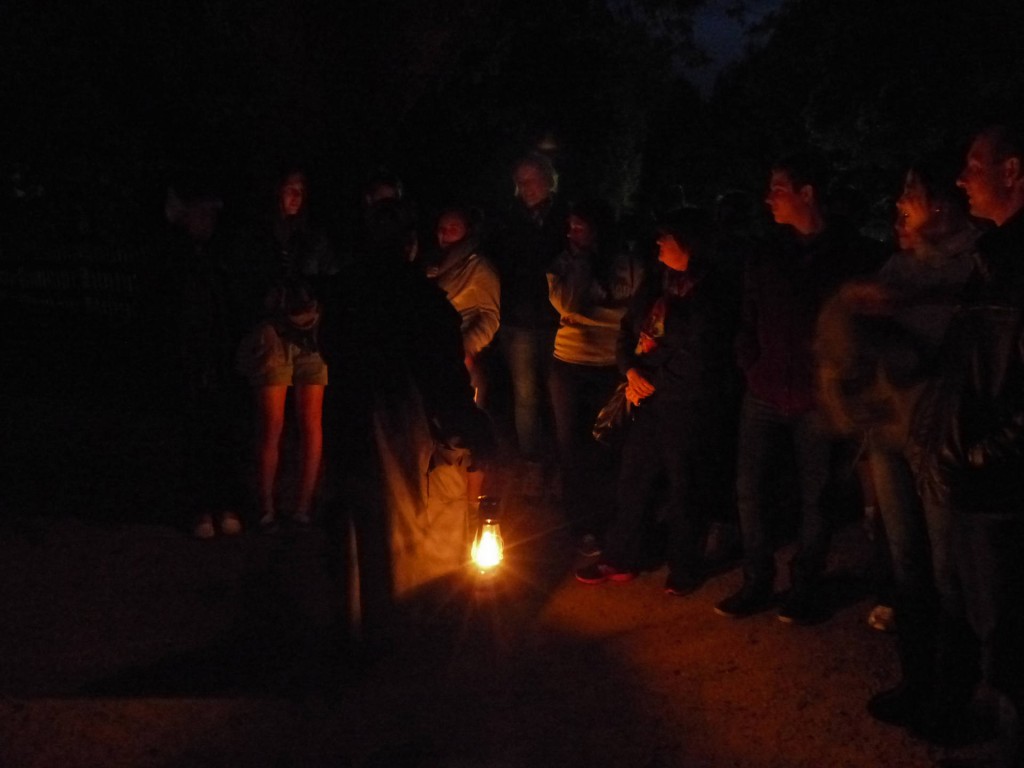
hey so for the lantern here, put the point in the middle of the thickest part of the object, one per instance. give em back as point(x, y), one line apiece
point(488, 548)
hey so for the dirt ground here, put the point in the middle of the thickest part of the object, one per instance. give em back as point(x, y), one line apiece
point(125, 643)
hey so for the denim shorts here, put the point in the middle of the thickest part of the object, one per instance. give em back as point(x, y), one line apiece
point(267, 360)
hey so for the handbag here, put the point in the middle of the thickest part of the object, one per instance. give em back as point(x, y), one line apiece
point(612, 420)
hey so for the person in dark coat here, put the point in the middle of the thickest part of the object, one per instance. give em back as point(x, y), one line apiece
point(400, 420)
point(970, 425)
point(674, 348)
point(188, 316)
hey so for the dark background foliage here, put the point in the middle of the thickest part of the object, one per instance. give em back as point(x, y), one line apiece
point(106, 100)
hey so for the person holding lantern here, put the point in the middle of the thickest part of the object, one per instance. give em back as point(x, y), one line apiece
point(402, 434)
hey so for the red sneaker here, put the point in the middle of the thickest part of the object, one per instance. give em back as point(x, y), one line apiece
point(599, 573)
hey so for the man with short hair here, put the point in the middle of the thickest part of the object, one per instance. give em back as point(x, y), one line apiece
point(533, 235)
point(784, 289)
point(971, 423)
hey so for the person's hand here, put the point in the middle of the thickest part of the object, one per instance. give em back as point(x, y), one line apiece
point(641, 386)
point(631, 396)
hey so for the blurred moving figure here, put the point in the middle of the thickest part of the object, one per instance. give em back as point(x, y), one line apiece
point(881, 338)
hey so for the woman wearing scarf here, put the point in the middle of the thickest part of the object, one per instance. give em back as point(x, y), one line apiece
point(471, 284)
point(675, 349)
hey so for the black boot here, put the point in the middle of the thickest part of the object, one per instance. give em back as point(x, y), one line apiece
point(915, 643)
point(756, 594)
point(949, 718)
point(802, 604)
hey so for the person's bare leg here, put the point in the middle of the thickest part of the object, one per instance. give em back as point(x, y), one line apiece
point(309, 406)
point(269, 425)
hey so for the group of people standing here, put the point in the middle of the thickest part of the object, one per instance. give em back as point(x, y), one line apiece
point(731, 351)
point(914, 360)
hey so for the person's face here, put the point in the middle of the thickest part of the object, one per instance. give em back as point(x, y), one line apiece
point(450, 229)
point(788, 205)
point(531, 185)
point(913, 210)
point(293, 194)
point(579, 234)
point(983, 180)
point(672, 254)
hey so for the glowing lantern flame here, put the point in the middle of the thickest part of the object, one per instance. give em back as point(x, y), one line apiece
point(488, 548)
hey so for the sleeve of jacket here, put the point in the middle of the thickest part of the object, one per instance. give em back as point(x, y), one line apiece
point(487, 300)
point(569, 281)
point(1007, 442)
point(625, 344)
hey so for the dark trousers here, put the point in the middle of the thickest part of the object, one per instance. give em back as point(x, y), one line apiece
point(212, 467)
point(662, 451)
point(578, 392)
point(764, 432)
point(990, 558)
point(936, 652)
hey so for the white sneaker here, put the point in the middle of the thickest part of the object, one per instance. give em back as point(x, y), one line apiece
point(203, 528)
point(881, 618)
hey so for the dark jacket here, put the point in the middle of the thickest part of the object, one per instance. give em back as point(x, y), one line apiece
point(970, 421)
point(784, 288)
point(283, 272)
point(188, 323)
point(692, 360)
point(389, 331)
point(523, 249)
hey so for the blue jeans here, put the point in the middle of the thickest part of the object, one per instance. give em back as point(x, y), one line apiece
point(764, 432)
point(920, 533)
point(935, 648)
point(527, 354)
